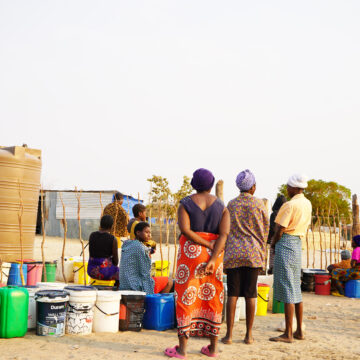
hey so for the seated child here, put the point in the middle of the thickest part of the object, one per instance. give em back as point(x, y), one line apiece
point(345, 262)
point(103, 252)
point(139, 211)
point(135, 265)
point(340, 276)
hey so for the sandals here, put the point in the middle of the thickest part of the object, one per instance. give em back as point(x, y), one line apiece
point(172, 352)
point(205, 351)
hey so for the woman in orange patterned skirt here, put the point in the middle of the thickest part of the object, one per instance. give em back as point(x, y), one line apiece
point(204, 223)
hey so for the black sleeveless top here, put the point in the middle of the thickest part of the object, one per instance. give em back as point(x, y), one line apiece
point(101, 244)
point(207, 220)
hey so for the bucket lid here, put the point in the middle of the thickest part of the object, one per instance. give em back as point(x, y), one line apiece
point(131, 292)
point(51, 285)
point(79, 288)
point(263, 285)
point(52, 294)
point(105, 295)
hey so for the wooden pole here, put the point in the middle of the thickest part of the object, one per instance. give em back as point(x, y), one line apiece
point(346, 235)
point(336, 256)
point(20, 214)
point(219, 190)
point(167, 233)
point(43, 233)
point(351, 231)
point(320, 239)
point(160, 239)
point(101, 205)
point(64, 242)
point(325, 246)
point(138, 198)
point(78, 196)
point(307, 248)
point(355, 214)
point(313, 238)
point(116, 213)
point(330, 233)
point(175, 246)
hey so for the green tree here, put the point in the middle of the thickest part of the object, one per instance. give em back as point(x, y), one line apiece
point(326, 195)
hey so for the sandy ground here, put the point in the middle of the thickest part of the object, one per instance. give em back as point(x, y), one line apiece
point(332, 332)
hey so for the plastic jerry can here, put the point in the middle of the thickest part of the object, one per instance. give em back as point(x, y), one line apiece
point(14, 302)
point(159, 312)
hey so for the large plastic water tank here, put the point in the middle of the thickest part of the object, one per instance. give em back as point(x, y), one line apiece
point(20, 169)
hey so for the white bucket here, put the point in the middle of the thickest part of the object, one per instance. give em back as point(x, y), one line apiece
point(80, 314)
point(106, 313)
point(50, 285)
point(4, 274)
point(32, 308)
point(240, 312)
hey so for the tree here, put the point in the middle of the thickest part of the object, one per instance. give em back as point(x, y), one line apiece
point(326, 195)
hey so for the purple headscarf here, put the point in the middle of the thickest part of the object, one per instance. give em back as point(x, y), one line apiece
point(245, 180)
point(356, 240)
point(202, 180)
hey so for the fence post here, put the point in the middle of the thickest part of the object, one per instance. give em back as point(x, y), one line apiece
point(356, 221)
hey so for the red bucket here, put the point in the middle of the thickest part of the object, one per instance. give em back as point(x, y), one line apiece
point(322, 284)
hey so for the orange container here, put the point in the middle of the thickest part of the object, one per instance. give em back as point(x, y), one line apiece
point(20, 169)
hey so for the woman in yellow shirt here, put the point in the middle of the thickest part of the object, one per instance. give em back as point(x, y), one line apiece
point(291, 224)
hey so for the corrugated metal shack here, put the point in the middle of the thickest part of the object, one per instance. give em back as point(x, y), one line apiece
point(90, 211)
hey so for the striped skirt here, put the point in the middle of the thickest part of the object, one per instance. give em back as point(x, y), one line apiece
point(287, 270)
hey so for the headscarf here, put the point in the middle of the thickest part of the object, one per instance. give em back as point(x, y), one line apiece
point(356, 240)
point(345, 255)
point(202, 180)
point(298, 181)
point(245, 180)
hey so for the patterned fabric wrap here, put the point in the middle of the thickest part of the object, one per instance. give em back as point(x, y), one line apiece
point(121, 218)
point(287, 270)
point(102, 269)
point(199, 297)
point(249, 228)
point(341, 276)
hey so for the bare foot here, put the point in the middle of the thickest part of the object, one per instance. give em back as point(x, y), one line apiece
point(226, 340)
point(248, 340)
point(299, 335)
point(282, 338)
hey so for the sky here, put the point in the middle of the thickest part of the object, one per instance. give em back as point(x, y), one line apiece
point(114, 92)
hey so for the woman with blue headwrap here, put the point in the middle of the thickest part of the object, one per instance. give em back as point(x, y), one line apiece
point(340, 276)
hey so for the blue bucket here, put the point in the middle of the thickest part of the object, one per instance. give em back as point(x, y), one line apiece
point(352, 288)
point(159, 312)
point(14, 274)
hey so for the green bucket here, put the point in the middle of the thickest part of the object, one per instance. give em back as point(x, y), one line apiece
point(50, 269)
point(278, 307)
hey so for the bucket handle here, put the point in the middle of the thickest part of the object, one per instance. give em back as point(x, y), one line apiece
point(75, 271)
point(80, 311)
point(137, 312)
point(262, 298)
point(117, 313)
point(324, 283)
point(31, 269)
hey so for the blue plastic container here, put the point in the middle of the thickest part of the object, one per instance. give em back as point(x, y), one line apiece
point(14, 274)
point(352, 288)
point(159, 312)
